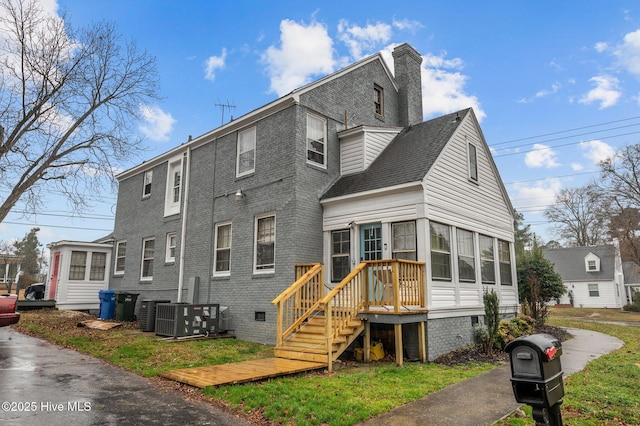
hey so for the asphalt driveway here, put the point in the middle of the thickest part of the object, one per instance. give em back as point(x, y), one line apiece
point(42, 383)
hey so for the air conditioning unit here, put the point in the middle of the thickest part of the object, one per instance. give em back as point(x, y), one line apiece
point(147, 317)
point(185, 319)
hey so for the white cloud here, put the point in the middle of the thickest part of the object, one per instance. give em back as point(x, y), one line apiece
point(628, 53)
point(541, 156)
point(213, 64)
point(443, 87)
point(363, 40)
point(541, 195)
point(601, 47)
point(576, 167)
point(305, 51)
point(597, 151)
point(546, 92)
point(157, 124)
point(407, 24)
point(606, 91)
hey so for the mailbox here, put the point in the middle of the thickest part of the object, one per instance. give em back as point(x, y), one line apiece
point(536, 372)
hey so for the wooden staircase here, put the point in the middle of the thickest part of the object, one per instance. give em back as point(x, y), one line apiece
point(312, 326)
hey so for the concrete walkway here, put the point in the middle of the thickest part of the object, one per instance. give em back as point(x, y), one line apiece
point(487, 398)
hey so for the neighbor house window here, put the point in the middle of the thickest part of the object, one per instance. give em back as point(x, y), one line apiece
point(316, 140)
point(487, 268)
point(98, 266)
point(378, 100)
point(466, 256)
point(440, 236)
point(473, 162)
point(246, 156)
point(146, 188)
point(265, 244)
point(148, 247)
point(78, 265)
point(404, 240)
point(170, 255)
point(121, 252)
point(593, 290)
point(592, 262)
point(504, 256)
point(340, 251)
point(222, 260)
point(174, 185)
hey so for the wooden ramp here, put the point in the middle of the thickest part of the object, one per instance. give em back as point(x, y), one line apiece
point(240, 372)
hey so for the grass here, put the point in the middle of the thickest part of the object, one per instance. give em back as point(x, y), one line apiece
point(604, 393)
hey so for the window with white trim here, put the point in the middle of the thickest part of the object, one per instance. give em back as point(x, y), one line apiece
point(592, 263)
point(265, 244)
point(466, 256)
point(98, 266)
point(340, 254)
point(146, 268)
point(174, 187)
point(487, 260)
point(504, 257)
point(594, 291)
point(146, 186)
point(246, 152)
point(473, 162)
point(440, 236)
point(78, 265)
point(316, 140)
point(170, 255)
point(404, 240)
point(222, 259)
point(121, 253)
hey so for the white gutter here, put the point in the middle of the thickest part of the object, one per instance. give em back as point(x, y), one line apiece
point(183, 230)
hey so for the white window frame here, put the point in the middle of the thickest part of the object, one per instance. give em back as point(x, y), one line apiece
point(250, 135)
point(99, 268)
point(145, 241)
point(505, 263)
point(324, 141)
point(174, 187)
point(594, 290)
point(74, 268)
point(147, 183)
point(463, 244)
point(340, 255)
point(118, 255)
point(404, 245)
point(487, 263)
point(218, 249)
point(437, 250)
point(267, 268)
point(592, 259)
point(472, 162)
point(170, 253)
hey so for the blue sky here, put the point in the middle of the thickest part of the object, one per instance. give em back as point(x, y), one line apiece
point(556, 85)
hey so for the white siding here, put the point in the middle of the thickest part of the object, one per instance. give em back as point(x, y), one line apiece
point(360, 147)
point(581, 299)
point(351, 157)
point(375, 143)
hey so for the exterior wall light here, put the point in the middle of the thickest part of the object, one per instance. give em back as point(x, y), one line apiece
point(239, 195)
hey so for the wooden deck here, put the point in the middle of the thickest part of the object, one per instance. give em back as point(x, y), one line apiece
point(240, 372)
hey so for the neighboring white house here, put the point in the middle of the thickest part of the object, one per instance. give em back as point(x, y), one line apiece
point(78, 272)
point(592, 276)
point(631, 279)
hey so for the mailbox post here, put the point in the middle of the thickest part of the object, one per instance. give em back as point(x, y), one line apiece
point(536, 376)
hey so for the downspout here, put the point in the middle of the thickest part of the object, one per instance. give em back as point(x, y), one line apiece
point(183, 230)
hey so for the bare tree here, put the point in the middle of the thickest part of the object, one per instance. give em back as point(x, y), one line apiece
point(69, 100)
point(579, 216)
point(621, 180)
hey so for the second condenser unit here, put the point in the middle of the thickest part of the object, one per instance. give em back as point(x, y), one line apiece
point(186, 319)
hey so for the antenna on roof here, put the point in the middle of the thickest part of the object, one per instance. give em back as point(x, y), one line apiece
point(228, 106)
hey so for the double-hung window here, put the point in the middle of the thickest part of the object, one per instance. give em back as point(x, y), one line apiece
point(593, 290)
point(121, 253)
point(78, 265)
point(174, 187)
point(466, 256)
point(487, 268)
point(378, 100)
point(473, 162)
point(340, 251)
point(98, 266)
point(148, 248)
point(246, 156)
point(265, 243)
point(440, 236)
point(504, 256)
point(404, 240)
point(222, 265)
point(316, 140)
point(146, 187)
point(170, 255)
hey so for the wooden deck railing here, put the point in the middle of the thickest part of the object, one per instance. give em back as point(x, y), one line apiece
point(394, 283)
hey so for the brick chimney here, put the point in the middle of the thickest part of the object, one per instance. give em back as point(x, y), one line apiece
point(406, 61)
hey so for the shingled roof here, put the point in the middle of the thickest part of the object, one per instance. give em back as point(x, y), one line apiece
point(407, 158)
point(569, 262)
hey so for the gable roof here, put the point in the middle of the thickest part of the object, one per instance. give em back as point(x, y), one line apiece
point(569, 262)
point(407, 158)
point(631, 273)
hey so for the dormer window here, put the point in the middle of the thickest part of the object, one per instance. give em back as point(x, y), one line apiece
point(592, 263)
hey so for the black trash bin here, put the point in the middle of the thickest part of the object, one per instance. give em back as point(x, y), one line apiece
point(536, 375)
point(125, 306)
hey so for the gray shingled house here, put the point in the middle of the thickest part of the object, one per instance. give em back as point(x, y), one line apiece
point(631, 279)
point(592, 276)
point(335, 201)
